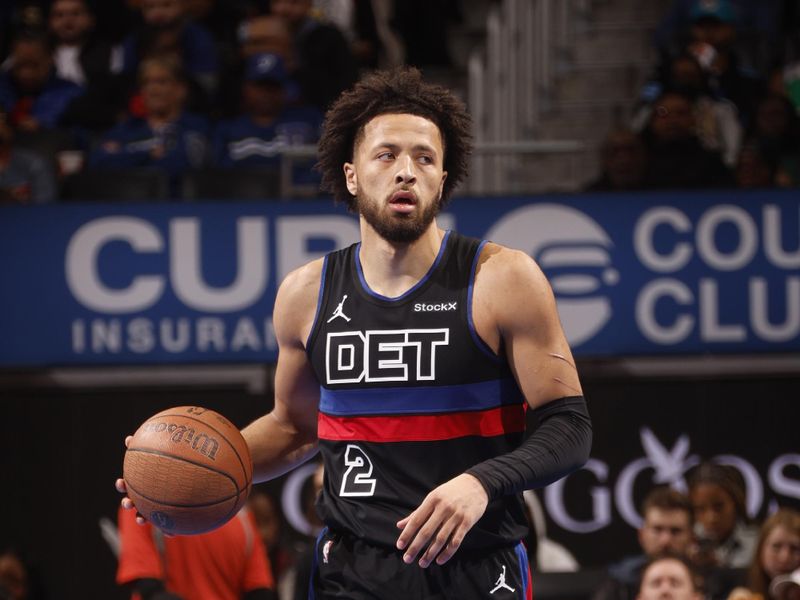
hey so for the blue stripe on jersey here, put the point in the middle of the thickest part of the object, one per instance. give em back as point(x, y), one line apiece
point(524, 567)
point(319, 299)
point(483, 395)
point(484, 347)
point(367, 289)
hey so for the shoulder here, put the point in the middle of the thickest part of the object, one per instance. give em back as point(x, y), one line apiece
point(499, 265)
point(511, 289)
point(296, 302)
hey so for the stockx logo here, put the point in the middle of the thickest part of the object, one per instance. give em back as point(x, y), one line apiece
point(574, 252)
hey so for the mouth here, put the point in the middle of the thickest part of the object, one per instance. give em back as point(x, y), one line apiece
point(403, 201)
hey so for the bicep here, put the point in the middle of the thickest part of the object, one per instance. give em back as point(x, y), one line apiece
point(536, 347)
point(296, 389)
point(296, 385)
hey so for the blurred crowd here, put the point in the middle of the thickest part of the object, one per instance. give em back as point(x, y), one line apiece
point(165, 98)
point(697, 544)
point(722, 108)
point(152, 91)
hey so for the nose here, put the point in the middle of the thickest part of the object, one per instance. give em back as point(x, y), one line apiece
point(405, 171)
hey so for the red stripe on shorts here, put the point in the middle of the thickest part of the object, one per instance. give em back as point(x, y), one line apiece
point(423, 428)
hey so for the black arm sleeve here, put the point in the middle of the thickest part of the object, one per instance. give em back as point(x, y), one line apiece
point(559, 445)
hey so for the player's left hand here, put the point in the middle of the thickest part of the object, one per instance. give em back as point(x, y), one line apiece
point(442, 521)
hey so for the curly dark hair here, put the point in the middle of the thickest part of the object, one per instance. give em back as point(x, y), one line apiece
point(394, 91)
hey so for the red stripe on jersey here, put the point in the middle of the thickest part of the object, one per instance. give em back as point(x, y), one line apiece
point(423, 428)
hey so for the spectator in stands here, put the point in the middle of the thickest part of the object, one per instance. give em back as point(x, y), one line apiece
point(31, 93)
point(356, 20)
point(755, 168)
point(167, 137)
point(669, 577)
point(716, 120)
point(269, 521)
point(13, 577)
point(168, 30)
point(220, 19)
point(228, 563)
point(786, 587)
point(425, 39)
point(757, 23)
point(25, 177)
point(724, 535)
point(676, 158)
point(266, 34)
point(777, 554)
point(267, 127)
point(87, 61)
point(325, 66)
point(777, 127)
point(713, 36)
point(666, 527)
point(623, 159)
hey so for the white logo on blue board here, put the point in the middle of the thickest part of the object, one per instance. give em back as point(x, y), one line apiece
point(573, 250)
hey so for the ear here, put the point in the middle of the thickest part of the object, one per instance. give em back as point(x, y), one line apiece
point(441, 185)
point(350, 177)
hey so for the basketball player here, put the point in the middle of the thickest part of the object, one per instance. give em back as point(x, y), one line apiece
point(409, 361)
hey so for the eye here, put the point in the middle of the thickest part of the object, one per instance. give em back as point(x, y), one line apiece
point(426, 160)
point(385, 156)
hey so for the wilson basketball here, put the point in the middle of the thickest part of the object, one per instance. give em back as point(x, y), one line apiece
point(188, 470)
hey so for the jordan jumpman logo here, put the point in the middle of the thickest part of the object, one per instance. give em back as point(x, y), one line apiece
point(339, 312)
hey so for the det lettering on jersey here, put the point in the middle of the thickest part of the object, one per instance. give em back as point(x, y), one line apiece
point(383, 355)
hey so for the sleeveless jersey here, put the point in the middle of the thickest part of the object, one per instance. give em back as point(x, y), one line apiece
point(410, 397)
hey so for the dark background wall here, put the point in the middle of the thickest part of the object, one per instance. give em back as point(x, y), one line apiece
point(61, 450)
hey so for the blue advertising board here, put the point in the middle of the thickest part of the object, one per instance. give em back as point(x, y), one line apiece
point(649, 274)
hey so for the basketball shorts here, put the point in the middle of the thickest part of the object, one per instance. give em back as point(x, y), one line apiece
point(347, 567)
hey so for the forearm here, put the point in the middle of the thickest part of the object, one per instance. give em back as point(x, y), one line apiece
point(277, 447)
point(559, 445)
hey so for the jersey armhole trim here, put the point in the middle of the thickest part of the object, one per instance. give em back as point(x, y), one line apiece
point(320, 298)
point(483, 346)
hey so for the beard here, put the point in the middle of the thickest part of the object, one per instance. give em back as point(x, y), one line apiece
point(397, 228)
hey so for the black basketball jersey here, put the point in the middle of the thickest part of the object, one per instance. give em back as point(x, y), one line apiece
point(410, 396)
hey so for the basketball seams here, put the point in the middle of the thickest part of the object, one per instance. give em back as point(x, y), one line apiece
point(171, 505)
point(191, 462)
point(221, 434)
point(163, 468)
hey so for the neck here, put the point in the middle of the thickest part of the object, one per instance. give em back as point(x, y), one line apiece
point(390, 268)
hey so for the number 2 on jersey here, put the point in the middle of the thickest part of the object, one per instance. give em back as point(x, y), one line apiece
point(356, 480)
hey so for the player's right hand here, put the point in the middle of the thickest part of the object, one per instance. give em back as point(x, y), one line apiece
point(127, 503)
